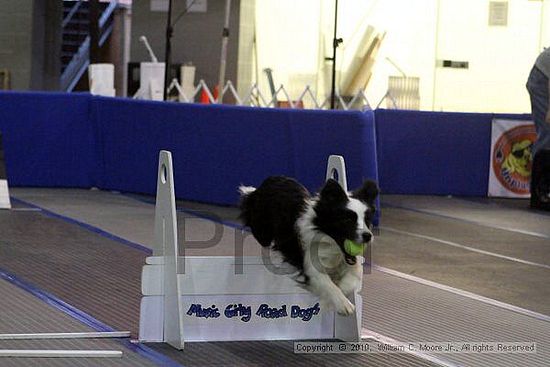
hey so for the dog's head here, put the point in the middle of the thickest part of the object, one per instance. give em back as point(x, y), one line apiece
point(520, 158)
point(343, 216)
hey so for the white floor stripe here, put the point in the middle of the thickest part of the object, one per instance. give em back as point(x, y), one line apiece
point(369, 334)
point(479, 223)
point(463, 293)
point(454, 244)
point(517, 230)
point(85, 335)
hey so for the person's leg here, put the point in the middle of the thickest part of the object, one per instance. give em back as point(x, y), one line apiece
point(537, 85)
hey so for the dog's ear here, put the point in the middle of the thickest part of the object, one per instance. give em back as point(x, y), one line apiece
point(333, 192)
point(367, 193)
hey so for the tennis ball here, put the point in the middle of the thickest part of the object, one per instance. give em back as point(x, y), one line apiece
point(353, 248)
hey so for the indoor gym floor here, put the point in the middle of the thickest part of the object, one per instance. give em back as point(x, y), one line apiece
point(445, 269)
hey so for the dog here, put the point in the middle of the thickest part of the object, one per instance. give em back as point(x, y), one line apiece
point(519, 160)
point(309, 232)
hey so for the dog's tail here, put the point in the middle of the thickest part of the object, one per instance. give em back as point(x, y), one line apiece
point(246, 190)
point(252, 216)
point(246, 204)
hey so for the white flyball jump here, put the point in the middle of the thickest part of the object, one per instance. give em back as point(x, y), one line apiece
point(224, 298)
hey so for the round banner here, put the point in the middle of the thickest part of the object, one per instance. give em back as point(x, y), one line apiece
point(512, 158)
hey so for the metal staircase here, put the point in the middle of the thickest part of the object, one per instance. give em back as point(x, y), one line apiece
point(75, 44)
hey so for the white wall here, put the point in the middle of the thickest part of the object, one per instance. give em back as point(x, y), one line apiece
point(500, 58)
point(545, 25)
point(409, 43)
point(287, 37)
point(293, 37)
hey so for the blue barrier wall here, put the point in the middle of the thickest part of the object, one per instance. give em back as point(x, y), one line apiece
point(72, 140)
point(217, 148)
point(434, 153)
point(48, 139)
point(76, 140)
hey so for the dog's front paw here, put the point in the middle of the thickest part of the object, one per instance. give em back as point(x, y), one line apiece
point(345, 307)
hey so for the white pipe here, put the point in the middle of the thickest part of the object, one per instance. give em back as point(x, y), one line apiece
point(149, 49)
point(396, 66)
point(127, 30)
point(109, 334)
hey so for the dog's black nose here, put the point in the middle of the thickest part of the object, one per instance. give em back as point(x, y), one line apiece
point(367, 237)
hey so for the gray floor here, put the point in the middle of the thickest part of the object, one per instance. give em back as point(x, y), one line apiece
point(21, 312)
point(487, 274)
point(18, 305)
point(407, 311)
point(259, 354)
point(507, 214)
point(93, 273)
point(491, 248)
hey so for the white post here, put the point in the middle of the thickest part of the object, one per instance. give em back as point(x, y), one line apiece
point(346, 328)
point(166, 244)
point(151, 79)
point(127, 31)
point(102, 79)
point(4, 192)
point(187, 83)
point(223, 58)
point(151, 76)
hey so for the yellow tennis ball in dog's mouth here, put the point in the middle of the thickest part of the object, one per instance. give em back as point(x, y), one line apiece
point(353, 248)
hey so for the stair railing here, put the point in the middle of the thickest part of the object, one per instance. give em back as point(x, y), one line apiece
point(81, 59)
point(71, 14)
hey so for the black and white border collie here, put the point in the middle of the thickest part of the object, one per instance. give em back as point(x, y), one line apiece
point(309, 232)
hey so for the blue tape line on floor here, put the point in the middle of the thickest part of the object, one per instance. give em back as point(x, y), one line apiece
point(89, 227)
point(85, 318)
point(152, 355)
point(55, 302)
